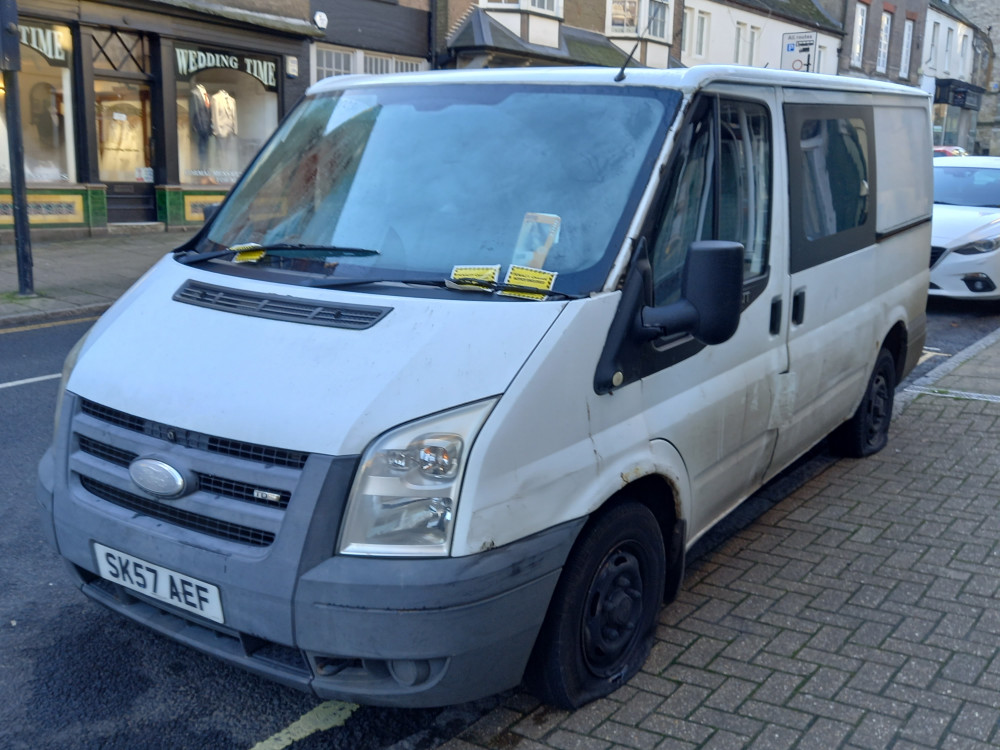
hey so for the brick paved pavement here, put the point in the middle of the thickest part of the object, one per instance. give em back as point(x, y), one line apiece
point(862, 610)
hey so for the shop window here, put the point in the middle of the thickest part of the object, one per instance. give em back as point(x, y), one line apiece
point(120, 51)
point(123, 131)
point(227, 106)
point(46, 105)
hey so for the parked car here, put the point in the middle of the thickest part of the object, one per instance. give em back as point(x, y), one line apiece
point(965, 237)
point(949, 151)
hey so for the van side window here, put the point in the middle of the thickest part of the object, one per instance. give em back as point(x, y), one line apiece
point(834, 174)
point(831, 182)
point(719, 187)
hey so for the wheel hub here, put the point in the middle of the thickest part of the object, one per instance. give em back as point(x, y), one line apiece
point(613, 613)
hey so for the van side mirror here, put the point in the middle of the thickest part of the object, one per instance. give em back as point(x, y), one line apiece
point(711, 296)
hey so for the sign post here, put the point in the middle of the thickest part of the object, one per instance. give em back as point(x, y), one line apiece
point(10, 64)
point(798, 51)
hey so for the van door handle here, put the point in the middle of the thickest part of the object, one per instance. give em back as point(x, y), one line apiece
point(799, 307)
point(776, 316)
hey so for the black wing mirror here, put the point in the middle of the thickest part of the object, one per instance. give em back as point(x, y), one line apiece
point(711, 296)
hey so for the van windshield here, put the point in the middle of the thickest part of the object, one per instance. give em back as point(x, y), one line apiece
point(387, 180)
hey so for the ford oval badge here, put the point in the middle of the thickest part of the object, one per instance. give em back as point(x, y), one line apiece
point(157, 477)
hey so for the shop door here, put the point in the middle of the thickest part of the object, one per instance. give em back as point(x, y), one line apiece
point(124, 150)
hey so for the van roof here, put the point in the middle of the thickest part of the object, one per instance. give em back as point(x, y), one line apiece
point(683, 79)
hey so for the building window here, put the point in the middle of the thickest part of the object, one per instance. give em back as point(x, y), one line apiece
point(624, 16)
point(339, 61)
point(687, 31)
point(755, 32)
point(701, 37)
point(858, 45)
point(820, 59)
point(378, 65)
point(882, 62)
point(553, 7)
point(333, 62)
point(741, 33)
point(963, 59)
point(645, 17)
point(949, 40)
point(46, 85)
point(904, 57)
point(658, 19)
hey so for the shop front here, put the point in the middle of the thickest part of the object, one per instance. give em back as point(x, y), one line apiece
point(123, 123)
point(956, 113)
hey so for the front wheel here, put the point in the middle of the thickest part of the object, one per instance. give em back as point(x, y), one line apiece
point(600, 624)
point(867, 431)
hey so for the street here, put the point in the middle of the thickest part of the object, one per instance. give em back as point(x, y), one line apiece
point(76, 675)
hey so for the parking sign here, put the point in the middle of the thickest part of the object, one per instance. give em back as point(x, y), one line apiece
point(799, 51)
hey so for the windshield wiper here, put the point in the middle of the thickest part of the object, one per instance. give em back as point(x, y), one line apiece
point(461, 284)
point(352, 252)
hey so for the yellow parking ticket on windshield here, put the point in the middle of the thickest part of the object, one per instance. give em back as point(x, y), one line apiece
point(534, 278)
point(487, 274)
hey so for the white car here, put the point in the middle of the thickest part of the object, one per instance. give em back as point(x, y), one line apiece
point(965, 239)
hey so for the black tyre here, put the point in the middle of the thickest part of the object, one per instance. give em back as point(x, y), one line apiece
point(867, 431)
point(600, 623)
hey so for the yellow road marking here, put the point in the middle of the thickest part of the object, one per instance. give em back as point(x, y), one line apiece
point(928, 354)
point(51, 324)
point(325, 716)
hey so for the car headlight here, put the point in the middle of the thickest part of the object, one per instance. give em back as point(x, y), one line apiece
point(405, 493)
point(986, 245)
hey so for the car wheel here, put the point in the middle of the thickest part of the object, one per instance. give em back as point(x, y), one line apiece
point(600, 624)
point(867, 431)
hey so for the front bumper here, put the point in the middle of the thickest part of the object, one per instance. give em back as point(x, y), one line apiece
point(412, 633)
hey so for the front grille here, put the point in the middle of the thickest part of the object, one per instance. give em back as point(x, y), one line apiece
point(249, 493)
point(936, 253)
point(196, 440)
point(279, 307)
point(213, 526)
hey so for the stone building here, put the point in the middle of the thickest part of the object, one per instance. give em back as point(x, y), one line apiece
point(986, 15)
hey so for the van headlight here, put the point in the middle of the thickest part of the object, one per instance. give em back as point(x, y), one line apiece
point(68, 364)
point(405, 493)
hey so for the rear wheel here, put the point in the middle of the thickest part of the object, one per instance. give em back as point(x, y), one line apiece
point(867, 431)
point(600, 624)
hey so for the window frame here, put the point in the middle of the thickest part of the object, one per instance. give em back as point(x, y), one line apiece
point(858, 42)
point(884, 35)
point(906, 53)
point(805, 252)
point(711, 105)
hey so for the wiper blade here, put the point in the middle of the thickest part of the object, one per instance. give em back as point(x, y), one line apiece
point(354, 252)
point(459, 284)
point(251, 247)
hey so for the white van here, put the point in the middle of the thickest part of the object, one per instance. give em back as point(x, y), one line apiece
point(466, 361)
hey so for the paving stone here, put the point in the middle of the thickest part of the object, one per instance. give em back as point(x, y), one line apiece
point(564, 740)
point(876, 731)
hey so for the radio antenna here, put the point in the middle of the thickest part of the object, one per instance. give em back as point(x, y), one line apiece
point(649, 22)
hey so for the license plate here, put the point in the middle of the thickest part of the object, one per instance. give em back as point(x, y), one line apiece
point(158, 582)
